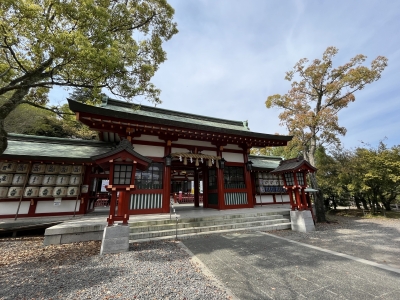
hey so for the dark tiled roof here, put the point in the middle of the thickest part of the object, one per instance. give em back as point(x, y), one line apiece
point(264, 163)
point(141, 113)
point(293, 164)
point(124, 145)
point(48, 148)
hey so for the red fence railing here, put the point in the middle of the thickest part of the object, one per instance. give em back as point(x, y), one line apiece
point(186, 198)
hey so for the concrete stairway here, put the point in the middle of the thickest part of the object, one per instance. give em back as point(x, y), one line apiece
point(166, 229)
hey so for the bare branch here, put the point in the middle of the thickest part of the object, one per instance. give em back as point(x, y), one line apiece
point(148, 20)
point(52, 109)
point(9, 47)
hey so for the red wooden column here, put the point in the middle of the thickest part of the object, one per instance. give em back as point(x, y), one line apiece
point(303, 193)
point(113, 205)
point(290, 192)
point(292, 204)
point(196, 188)
point(247, 178)
point(166, 181)
point(296, 193)
point(123, 206)
point(85, 197)
point(220, 182)
point(205, 186)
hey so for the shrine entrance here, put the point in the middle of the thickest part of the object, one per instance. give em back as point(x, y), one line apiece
point(187, 186)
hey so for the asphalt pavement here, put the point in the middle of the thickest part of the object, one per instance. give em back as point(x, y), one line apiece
point(255, 265)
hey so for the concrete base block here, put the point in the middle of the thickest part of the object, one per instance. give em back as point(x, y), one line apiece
point(72, 238)
point(301, 220)
point(115, 239)
point(52, 239)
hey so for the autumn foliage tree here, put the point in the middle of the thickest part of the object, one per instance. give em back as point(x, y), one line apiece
point(318, 92)
point(96, 44)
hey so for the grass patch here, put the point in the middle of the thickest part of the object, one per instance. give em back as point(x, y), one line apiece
point(361, 214)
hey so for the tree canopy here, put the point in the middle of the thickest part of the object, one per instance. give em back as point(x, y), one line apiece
point(369, 175)
point(318, 92)
point(97, 44)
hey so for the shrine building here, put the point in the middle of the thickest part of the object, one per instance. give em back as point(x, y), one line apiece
point(145, 157)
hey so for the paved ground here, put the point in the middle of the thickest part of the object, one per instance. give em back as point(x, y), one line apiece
point(375, 239)
point(261, 266)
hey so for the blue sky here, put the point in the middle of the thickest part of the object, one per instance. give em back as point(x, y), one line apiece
point(230, 55)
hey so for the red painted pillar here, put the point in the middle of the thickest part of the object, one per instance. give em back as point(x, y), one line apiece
point(298, 199)
point(113, 204)
point(205, 187)
point(166, 181)
point(85, 197)
point(196, 188)
point(247, 178)
point(290, 192)
point(220, 184)
point(124, 196)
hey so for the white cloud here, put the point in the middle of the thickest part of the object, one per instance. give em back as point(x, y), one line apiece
point(230, 55)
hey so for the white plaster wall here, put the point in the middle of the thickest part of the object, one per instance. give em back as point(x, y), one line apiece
point(208, 152)
point(146, 150)
point(193, 143)
point(233, 157)
point(285, 198)
point(149, 138)
point(48, 206)
point(233, 147)
point(264, 199)
point(179, 150)
point(10, 208)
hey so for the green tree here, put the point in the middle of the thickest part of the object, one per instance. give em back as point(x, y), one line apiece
point(284, 152)
point(317, 94)
point(97, 44)
point(380, 175)
point(26, 119)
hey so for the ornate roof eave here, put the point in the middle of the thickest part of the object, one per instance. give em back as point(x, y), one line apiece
point(101, 111)
point(293, 165)
point(123, 146)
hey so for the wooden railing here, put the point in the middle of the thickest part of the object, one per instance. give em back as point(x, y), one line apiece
point(186, 198)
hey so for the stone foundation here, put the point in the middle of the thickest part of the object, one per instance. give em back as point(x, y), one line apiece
point(115, 239)
point(302, 220)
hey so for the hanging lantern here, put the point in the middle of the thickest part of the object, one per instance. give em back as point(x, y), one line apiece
point(222, 163)
point(249, 165)
point(210, 163)
point(168, 160)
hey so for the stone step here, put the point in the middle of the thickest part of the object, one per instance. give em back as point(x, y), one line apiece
point(279, 226)
point(132, 223)
point(184, 223)
point(190, 229)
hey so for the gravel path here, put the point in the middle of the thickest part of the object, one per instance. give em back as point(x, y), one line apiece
point(373, 239)
point(154, 270)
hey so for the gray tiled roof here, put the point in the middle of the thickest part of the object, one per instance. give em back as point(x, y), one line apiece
point(157, 116)
point(40, 147)
point(291, 165)
point(124, 145)
point(171, 115)
point(264, 163)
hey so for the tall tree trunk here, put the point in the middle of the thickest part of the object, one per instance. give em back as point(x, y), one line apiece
point(8, 106)
point(357, 201)
point(319, 200)
point(364, 202)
